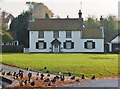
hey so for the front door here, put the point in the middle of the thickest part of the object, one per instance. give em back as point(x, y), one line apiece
point(56, 48)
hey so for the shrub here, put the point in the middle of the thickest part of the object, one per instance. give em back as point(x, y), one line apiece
point(12, 49)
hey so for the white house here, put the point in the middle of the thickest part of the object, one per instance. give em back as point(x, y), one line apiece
point(64, 35)
point(114, 44)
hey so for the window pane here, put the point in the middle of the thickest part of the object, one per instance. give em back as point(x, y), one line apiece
point(56, 34)
point(89, 45)
point(68, 45)
point(68, 34)
point(41, 45)
point(40, 34)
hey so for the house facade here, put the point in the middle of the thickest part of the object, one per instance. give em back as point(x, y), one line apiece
point(64, 35)
point(114, 44)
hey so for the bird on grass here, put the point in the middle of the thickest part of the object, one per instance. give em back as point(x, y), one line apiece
point(83, 76)
point(69, 74)
point(45, 67)
point(72, 78)
point(93, 77)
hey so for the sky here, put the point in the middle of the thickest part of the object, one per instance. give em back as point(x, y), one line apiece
point(93, 8)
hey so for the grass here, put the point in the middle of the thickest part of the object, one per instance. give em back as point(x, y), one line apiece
point(88, 64)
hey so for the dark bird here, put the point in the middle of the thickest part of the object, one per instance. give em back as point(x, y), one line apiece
point(72, 78)
point(48, 75)
point(93, 77)
point(57, 77)
point(77, 80)
point(9, 73)
point(32, 83)
point(26, 81)
point(47, 80)
point(83, 76)
point(69, 74)
point(62, 77)
point(14, 73)
point(37, 78)
point(21, 83)
point(3, 73)
point(45, 67)
point(37, 74)
point(53, 80)
point(42, 75)
point(47, 71)
point(49, 84)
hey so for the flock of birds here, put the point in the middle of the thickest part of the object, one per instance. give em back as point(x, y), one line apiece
point(20, 74)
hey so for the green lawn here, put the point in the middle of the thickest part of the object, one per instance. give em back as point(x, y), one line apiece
point(88, 64)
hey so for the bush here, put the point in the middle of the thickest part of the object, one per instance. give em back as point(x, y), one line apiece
point(12, 49)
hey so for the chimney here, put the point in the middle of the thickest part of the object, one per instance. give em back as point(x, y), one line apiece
point(102, 25)
point(67, 16)
point(46, 16)
point(31, 17)
point(101, 22)
point(80, 14)
point(3, 15)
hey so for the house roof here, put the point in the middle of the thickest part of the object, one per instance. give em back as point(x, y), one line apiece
point(10, 16)
point(108, 38)
point(117, 35)
point(92, 33)
point(55, 24)
point(55, 41)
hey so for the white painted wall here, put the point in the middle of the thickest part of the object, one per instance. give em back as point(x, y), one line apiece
point(116, 40)
point(76, 38)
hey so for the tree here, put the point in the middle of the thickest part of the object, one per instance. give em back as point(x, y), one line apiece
point(5, 35)
point(19, 28)
point(91, 22)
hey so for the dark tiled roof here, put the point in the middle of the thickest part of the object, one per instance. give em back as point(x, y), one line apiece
point(55, 24)
point(92, 33)
point(108, 38)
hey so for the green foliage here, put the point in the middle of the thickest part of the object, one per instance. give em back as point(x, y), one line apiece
point(5, 36)
point(110, 25)
point(19, 28)
point(91, 22)
point(88, 64)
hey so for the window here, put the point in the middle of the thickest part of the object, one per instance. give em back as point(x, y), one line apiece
point(55, 34)
point(89, 45)
point(68, 45)
point(40, 34)
point(68, 34)
point(41, 45)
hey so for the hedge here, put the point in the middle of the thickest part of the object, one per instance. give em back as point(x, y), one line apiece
point(12, 49)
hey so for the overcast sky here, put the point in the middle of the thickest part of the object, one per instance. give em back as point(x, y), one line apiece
point(63, 8)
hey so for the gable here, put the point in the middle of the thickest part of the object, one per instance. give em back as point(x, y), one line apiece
point(116, 39)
